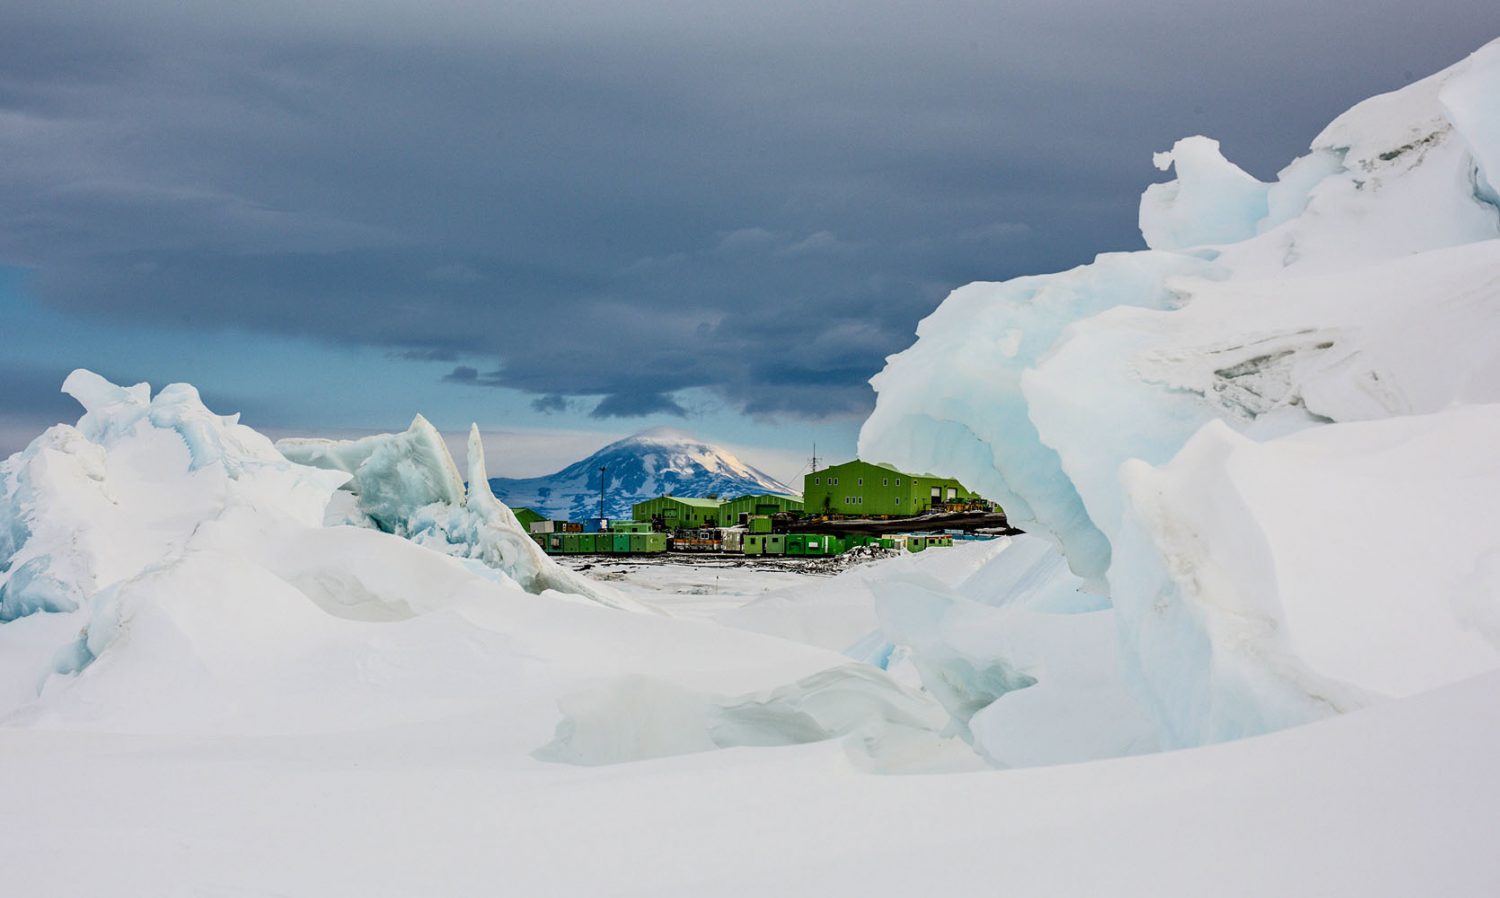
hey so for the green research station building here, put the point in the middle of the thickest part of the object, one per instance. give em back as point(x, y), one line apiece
point(678, 514)
point(861, 489)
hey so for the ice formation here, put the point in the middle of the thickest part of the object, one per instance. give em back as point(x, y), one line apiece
point(168, 571)
point(81, 507)
point(1263, 439)
point(156, 517)
point(407, 484)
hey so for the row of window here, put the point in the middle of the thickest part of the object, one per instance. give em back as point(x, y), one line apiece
point(834, 481)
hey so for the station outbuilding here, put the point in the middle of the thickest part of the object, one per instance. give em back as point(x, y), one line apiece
point(731, 512)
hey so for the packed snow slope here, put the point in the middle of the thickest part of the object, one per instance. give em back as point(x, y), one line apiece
point(651, 463)
point(1267, 442)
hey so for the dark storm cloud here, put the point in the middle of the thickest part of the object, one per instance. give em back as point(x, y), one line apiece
point(427, 355)
point(550, 404)
point(636, 405)
point(33, 393)
point(597, 200)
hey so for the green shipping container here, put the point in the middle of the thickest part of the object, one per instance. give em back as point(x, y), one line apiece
point(647, 543)
point(754, 544)
point(775, 544)
point(620, 543)
point(760, 525)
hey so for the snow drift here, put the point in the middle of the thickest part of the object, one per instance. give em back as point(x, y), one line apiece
point(1266, 439)
point(407, 484)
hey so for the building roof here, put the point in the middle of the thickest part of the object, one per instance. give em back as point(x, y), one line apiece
point(697, 503)
point(889, 467)
point(764, 496)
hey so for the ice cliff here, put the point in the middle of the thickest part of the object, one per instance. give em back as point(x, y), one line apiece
point(1267, 440)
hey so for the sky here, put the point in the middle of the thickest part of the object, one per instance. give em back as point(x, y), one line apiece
point(568, 221)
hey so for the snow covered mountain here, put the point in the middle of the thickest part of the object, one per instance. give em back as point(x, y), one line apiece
point(643, 466)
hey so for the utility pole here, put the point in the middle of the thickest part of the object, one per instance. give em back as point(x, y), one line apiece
point(602, 470)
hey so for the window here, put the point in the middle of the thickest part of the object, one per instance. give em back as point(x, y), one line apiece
point(861, 482)
point(818, 481)
point(885, 481)
point(898, 500)
point(898, 481)
point(952, 494)
point(833, 481)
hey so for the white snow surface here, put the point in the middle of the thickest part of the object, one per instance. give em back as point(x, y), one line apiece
point(1266, 443)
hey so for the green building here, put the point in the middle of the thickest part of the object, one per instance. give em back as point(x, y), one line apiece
point(678, 514)
point(756, 504)
point(861, 489)
point(527, 517)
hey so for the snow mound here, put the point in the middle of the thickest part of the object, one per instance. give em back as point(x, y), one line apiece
point(1150, 412)
point(636, 718)
point(87, 506)
point(407, 484)
point(1000, 634)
